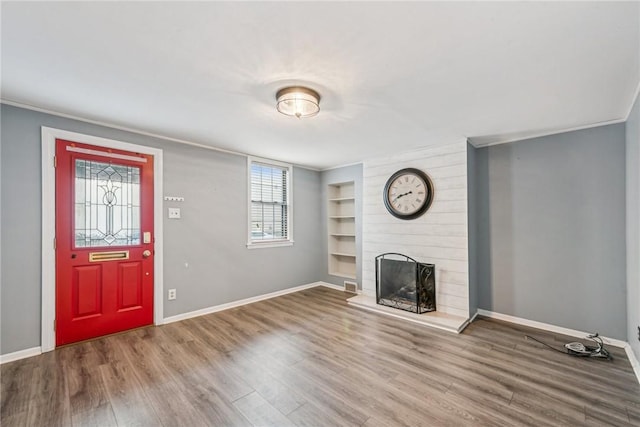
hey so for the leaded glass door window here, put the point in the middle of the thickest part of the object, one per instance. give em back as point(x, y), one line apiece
point(107, 204)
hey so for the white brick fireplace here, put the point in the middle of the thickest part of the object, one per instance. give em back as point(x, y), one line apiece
point(439, 237)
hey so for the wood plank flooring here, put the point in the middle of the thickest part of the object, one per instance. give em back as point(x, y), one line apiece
point(309, 359)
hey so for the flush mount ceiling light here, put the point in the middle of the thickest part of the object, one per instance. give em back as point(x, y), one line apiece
point(298, 101)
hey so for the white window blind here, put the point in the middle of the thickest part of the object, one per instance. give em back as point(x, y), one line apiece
point(270, 212)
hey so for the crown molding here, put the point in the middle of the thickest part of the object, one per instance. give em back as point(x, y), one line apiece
point(341, 166)
point(633, 102)
point(533, 135)
point(131, 130)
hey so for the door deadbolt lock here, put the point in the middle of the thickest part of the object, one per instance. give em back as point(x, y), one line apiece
point(146, 254)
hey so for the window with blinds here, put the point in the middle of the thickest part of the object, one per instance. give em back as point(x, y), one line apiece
point(270, 209)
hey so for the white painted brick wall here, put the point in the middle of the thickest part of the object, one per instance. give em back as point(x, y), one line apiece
point(438, 237)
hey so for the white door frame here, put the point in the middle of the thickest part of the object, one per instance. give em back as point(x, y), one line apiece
point(49, 136)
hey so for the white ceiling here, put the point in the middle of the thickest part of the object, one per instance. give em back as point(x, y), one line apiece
point(393, 76)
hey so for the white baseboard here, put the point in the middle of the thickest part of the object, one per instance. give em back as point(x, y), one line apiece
point(633, 360)
point(336, 287)
point(22, 354)
point(468, 322)
point(548, 327)
point(331, 286)
point(238, 303)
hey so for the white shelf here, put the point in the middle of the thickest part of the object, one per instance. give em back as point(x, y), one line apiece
point(342, 217)
point(342, 274)
point(344, 254)
point(342, 235)
point(343, 199)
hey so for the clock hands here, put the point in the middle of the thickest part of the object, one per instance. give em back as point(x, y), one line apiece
point(402, 195)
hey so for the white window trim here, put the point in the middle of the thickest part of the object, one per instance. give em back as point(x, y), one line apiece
point(48, 309)
point(270, 243)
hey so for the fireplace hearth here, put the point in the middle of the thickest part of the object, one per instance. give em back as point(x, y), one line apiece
point(405, 284)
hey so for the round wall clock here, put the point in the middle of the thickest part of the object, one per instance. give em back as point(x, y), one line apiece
point(408, 193)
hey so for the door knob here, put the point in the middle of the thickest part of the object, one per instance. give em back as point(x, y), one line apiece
point(146, 254)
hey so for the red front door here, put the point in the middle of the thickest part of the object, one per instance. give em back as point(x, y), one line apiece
point(104, 241)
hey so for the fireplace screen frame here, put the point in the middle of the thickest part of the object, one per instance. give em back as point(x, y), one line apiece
point(422, 279)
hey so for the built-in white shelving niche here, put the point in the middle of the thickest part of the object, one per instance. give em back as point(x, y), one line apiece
point(341, 210)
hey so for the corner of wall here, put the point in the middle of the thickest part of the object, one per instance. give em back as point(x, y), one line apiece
point(632, 179)
point(472, 226)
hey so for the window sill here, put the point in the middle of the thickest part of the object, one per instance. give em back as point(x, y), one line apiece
point(274, 244)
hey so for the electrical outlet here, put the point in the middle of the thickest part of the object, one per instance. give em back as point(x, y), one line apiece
point(172, 294)
point(174, 213)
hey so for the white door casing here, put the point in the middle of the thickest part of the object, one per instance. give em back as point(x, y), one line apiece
point(49, 136)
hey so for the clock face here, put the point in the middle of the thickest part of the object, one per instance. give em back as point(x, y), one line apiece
point(408, 193)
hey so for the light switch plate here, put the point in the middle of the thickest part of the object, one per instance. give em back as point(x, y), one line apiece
point(174, 213)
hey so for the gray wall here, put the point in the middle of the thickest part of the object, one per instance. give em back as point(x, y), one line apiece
point(472, 225)
point(551, 229)
point(633, 227)
point(211, 237)
point(333, 176)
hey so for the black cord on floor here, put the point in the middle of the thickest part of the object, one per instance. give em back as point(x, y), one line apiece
point(545, 344)
point(597, 352)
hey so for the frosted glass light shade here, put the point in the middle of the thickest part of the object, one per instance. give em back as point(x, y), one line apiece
point(298, 101)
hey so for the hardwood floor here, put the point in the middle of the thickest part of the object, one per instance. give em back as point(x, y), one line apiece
point(309, 359)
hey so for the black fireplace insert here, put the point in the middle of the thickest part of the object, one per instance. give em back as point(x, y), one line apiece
point(404, 283)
